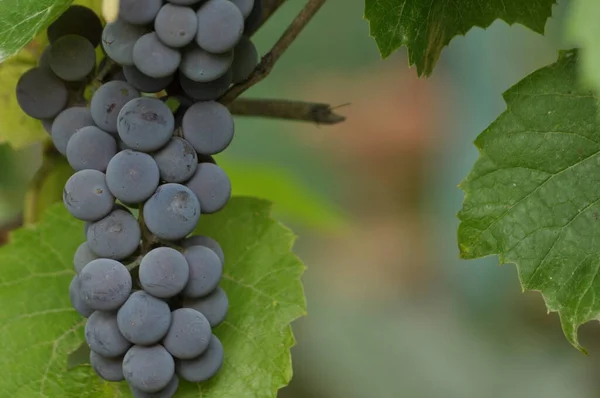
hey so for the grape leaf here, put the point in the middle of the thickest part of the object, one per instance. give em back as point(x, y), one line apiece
point(533, 196)
point(427, 26)
point(39, 329)
point(22, 20)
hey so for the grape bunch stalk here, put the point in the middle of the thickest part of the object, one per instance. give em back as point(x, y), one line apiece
point(142, 150)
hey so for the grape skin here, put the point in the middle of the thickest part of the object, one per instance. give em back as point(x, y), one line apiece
point(164, 272)
point(188, 335)
point(184, 2)
point(167, 392)
point(41, 94)
point(86, 195)
point(109, 369)
point(145, 124)
point(177, 161)
point(205, 366)
point(67, 123)
point(118, 40)
point(103, 336)
point(172, 212)
point(209, 127)
point(205, 271)
point(108, 101)
point(77, 300)
point(44, 61)
point(139, 12)
point(144, 319)
point(206, 241)
point(148, 369)
point(104, 284)
point(91, 148)
point(83, 255)
point(132, 177)
point(254, 20)
point(245, 6)
point(206, 91)
point(211, 185)
point(202, 66)
point(77, 20)
point(245, 60)
point(72, 58)
point(175, 25)
point(144, 83)
point(116, 236)
point(214, 306)
point(153, 58)
point(220, 26)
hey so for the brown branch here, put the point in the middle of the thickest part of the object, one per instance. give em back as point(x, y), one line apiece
point(269, 8)
point(268, 61)
point(286, 109)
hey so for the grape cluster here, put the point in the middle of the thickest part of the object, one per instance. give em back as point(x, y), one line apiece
point(149, 290)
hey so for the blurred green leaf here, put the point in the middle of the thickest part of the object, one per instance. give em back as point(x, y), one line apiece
point(426, 27)
point(291, 198)
point(533, 196)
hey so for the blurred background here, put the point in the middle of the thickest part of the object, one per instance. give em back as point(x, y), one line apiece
point(392, 310)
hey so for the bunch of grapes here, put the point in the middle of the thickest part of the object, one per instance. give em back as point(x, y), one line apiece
point(144, 174)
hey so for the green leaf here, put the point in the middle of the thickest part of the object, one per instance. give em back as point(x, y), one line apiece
point(427, 26)
point(39, 327)
point(22, 20)
point(533, 196)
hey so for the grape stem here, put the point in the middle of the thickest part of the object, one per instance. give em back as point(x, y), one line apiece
point(286, 109)
point(270, 59)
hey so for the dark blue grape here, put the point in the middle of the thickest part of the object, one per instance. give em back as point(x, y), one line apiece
point(72, 58)
point(175, 25)
point(67, 123)
point(108, 101)
point(167, 392)
point(245, 60)
point(91, 148)
point(86, 195)
point(83, 255)
point(116, 236)
point(148, 369)
point(188, 335)
point(211, 185)
point(164, 272)
point(144, 319)
point(103, 336)
point(146, 124)
point(220, 26)
point(201, 240)
point(205, 366)
point(119, 38)
point(209, 127)
point(154, 58)
point(132, 176)
point(104, 284)
point(206, 91)
point(41, 94)
point(109, 369)
point(202, 66)
point(139, 12)
point(76, 20)
point(177, 161)
point(205, 271)
point(77, 300)
point(214, 306)
point(254, 20)
point(145, 83)
point(245, 6)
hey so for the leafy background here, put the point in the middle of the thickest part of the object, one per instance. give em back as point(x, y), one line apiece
point(392, 310)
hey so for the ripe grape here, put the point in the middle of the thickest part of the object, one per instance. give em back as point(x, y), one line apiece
point(188, 335)
point(205, 271)
point(77, 300)
point(202, 66)
point(103, 336)
point(83, 255)
point(205, 366)
point(172, 212)
point(67, 123)
point(211, 185)
point(175, 25)
point(220, 26)
point(41, 94)
point(209, 127)
point(164, 272)
point(214, 306)
point(119, 38)
point(206, 91)
point(108, 101)
point(132, 176)
point(104, 284)
point(91, 148)
point(44, 61)
point(76, 20)
point(72, 58)
point(116, 236)
point(245, 60)
point(154, 58)
point(254, 20)
point(86, 195)
point(245, 6)
point(144, 319)
point(139, 12)
point(144, 83)
point(146, 124)
point(177, 161)
point(109, 369)
point(148, 369)
point(184, 2)
point(201, 240)
point(167, 392)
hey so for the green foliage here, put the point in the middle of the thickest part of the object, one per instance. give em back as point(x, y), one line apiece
point(426, 27)
point(40, 328)
point(533, 196)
